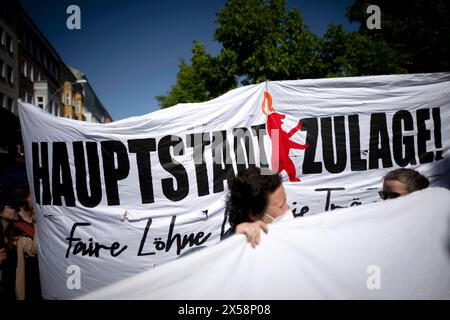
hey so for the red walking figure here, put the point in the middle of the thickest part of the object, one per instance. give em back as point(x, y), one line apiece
point(281, 140)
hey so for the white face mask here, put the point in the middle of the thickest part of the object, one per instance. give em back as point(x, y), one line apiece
point(285, 216)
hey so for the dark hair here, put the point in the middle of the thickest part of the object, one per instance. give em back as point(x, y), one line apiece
point(7, 200)
point(20, 196)
point(412, 179)
point(249, 193)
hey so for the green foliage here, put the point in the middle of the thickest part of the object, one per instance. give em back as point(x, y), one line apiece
point(418, 30)
point(204, 79)
point(262, 40)
point(188, 88)
point(269, 42)
point(357, 54)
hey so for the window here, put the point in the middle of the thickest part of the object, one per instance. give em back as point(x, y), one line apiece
point(29, 98)
point(68, 98)
point(29, 71)
point(2, 99)
point(36, 75)
point(23, 95)
point(40, 102)
point(10, 74)
point(9, 43)
point(78, 106)
point(24, 67)
point(2, 69)
point(2, 36)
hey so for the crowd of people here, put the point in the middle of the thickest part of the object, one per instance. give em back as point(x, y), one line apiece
point(18, 247)
point(19, 270)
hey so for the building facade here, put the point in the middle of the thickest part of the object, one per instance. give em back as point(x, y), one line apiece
point(9, 83)
point(93, 109)
point(32, 71)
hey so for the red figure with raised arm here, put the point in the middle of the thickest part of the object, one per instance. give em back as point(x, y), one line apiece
point(281, 140)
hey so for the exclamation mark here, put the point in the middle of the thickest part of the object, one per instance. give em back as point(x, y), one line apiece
point(436, 112)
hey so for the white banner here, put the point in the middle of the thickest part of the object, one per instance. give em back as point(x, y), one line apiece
point(117, 199)
point(396, 249)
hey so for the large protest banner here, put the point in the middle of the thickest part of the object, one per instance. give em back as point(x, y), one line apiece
point(117, 199)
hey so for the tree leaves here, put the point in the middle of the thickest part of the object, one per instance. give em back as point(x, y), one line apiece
point(262, 40)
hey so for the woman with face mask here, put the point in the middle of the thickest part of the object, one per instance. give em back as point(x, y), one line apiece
point(254, 201)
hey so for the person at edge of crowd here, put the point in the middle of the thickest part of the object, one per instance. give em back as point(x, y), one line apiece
point(8, 251)
point(254, 201)
point(27, 274)
point(20, 271)
point(401, 182)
